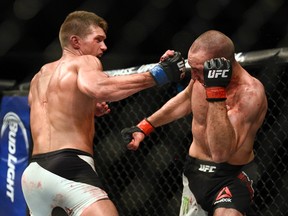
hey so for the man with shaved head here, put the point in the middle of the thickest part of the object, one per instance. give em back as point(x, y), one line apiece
point(228, 106)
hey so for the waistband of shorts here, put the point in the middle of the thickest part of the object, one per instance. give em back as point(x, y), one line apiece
point(209, 166)
point(60, 151)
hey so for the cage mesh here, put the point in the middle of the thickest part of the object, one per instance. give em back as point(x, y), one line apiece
point(149, 181)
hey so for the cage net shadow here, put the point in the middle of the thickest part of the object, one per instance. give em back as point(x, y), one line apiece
point(149, 180)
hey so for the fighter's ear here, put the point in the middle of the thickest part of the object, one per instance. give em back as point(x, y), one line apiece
point(74, 41)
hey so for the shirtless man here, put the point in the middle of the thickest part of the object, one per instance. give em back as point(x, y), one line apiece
point(228, 107)
point(64, 98)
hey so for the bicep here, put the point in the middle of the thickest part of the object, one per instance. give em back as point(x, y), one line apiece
point(89, 73)
point(176, 108)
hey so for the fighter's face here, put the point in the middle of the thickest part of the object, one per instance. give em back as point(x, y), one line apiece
point(93, 43)
point(196, 64)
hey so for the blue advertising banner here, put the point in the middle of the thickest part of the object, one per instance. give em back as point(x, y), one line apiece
point(14, 153)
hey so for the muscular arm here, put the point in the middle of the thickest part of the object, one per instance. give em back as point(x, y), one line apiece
point(93, 82)
point(232, 131)
point(220, 133)
point(176, 108)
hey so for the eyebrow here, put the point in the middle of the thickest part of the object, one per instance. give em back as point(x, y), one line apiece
point(101, 37)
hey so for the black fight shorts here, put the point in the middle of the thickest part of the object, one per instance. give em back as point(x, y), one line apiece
point(217, 185)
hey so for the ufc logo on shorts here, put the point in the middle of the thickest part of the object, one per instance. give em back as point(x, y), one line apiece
point(207, 168)
point(217, 73)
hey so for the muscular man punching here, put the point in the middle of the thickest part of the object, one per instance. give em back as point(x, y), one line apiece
point(64, 97)
point(228, 107)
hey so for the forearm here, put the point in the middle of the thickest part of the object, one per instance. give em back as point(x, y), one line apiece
point(120, 87)
point(220, 133)
point(176, 108)
point(93, 82)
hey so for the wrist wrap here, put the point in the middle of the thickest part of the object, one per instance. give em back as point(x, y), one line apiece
point(215, 94)
point(146, 127)
point(159, 75)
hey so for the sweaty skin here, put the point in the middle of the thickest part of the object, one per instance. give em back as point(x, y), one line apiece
point(223, 131)
point(64, 96)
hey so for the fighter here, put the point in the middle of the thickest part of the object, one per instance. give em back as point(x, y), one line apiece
point(228, 106)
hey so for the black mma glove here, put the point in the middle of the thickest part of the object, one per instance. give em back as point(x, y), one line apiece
point(169, 70)
point(217, 75)
point(144, 127)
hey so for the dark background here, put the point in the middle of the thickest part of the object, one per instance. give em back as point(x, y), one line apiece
point(148, 181)
point(139, 31)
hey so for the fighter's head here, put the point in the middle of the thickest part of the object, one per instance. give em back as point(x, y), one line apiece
point(85, 32)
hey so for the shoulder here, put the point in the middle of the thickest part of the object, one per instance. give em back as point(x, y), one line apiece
point(247, 85)
point(87, 62)
point(254, 87)
point(252, 96)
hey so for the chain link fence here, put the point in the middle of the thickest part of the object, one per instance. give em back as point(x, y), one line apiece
point(148, 182)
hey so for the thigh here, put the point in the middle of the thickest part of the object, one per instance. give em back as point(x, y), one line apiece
point(101, 208)
point(227, 212)
point(35, 195)
point(233, 195)
point(189, 205)
point(45, 191)
point(238, 192)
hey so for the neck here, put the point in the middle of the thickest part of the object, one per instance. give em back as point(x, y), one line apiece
point(69, 51)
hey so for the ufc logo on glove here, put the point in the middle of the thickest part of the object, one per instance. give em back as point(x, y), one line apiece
point(218, 73)
point(181, 65)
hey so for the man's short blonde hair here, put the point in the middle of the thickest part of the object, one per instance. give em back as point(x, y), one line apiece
point(78, 23)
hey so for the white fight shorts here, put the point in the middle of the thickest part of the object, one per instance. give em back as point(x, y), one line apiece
point(66, 178)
